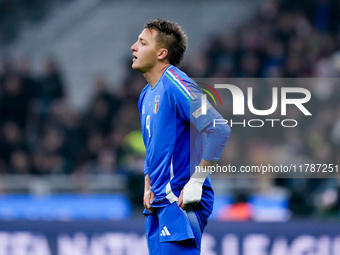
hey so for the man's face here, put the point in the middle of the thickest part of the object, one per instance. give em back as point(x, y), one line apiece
point(145, 51)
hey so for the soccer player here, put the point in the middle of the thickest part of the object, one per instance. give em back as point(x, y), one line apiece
point(177, 137)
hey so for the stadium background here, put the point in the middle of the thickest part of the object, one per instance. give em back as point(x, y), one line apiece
point(71, 156)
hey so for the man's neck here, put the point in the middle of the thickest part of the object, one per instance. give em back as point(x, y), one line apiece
point(155, 74)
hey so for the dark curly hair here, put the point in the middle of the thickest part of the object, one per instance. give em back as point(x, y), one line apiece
point(170, 36)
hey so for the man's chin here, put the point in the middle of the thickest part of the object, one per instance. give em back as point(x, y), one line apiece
point(135, 67)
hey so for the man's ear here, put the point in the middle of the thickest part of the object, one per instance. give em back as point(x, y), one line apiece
point(162, 53)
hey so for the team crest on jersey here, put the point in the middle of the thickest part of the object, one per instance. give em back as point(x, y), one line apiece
point(156, 105)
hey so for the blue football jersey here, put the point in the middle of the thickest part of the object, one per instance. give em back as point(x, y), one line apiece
point(172, 127)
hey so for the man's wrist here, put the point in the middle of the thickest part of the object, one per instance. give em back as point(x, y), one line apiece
point(200, 174)
point(196, 180)
point(193, 190)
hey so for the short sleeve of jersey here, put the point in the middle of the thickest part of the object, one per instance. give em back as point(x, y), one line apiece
point(185, 99)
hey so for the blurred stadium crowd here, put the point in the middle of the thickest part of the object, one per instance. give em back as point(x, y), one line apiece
point(15, 15)
point(41, 134)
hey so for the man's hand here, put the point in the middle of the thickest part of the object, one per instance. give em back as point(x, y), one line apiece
point(149, 196)
point(180, 201)
point(191, 193)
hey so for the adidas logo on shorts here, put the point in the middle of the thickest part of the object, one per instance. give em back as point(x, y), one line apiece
point(165, 232)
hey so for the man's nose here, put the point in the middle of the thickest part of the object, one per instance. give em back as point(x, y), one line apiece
point(133, 47)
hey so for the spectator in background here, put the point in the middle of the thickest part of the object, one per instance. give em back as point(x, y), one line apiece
point(51, 87)
point(98, 118)
point(103, 108)
point(6, 69)
point(104, 163)
point(14, 101)
point(101, 90)
point(11, 139)
point(25, 73)
point(20, 162)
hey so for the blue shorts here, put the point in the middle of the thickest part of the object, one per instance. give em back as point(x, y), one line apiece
point(172, 230)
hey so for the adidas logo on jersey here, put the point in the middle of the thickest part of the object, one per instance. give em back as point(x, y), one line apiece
point(165, 232)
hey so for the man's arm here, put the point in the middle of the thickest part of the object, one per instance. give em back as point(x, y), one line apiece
point(216, 140)
point(193, 188)
point(148, 194)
